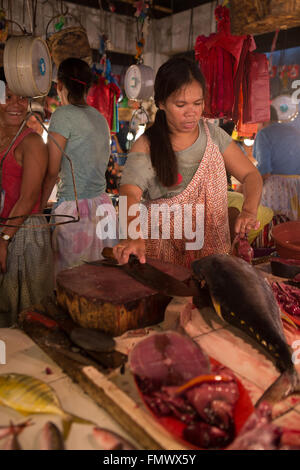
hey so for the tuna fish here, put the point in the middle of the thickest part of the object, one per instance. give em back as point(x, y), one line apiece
point(243, 298)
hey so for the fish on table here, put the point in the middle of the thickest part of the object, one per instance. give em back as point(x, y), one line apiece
point(29, 395)
point(12, 442)
point(14, 428)
point(51, 438)
point(243, 298)
point(109, 440)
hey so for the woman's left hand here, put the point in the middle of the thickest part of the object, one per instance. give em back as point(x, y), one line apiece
point(245, 222)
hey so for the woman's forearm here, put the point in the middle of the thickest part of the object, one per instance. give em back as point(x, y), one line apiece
point(48, 186)
point(129, 219)
point(252, 189)
point(129, 224)
point(23, 207)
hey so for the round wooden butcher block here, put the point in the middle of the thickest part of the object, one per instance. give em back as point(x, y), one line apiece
point(108, 299)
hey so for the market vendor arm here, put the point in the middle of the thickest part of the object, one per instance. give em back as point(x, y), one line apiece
point(55, 156)
point(33, 155)
point(134, 194)
point(238, 165)
point(129, 245)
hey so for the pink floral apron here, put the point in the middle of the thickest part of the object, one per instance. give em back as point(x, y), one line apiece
point(207, 189)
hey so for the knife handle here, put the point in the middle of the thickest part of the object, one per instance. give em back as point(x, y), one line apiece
point(107, 252)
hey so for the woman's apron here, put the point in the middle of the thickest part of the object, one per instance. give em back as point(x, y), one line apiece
point(208, 191)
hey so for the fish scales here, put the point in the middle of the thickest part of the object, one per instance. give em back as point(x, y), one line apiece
point(29, 395)
point(23, 393)
point(243, 298)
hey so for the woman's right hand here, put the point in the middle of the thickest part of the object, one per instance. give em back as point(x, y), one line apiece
point(128, 247)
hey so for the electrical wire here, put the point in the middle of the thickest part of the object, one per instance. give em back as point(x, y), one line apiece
point(34, 6)
point(191, 31)
point(30, 15)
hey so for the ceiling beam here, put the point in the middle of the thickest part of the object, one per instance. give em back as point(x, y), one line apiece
point(95, 4)
point(156, 7)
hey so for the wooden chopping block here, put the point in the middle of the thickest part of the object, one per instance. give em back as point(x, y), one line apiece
point(106, 298)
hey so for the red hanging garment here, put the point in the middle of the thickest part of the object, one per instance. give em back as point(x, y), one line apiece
point(238, 80)
point(101, 96)
point(244, 130)
point(219, 56)
point(256, 89)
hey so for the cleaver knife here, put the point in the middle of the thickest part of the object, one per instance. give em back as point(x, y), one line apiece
point(148, 275)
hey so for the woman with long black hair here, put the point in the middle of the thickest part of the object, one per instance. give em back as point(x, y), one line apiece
point(181, 161)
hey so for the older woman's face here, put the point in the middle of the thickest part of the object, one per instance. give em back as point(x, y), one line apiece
point(13, 112)
point(184, 108)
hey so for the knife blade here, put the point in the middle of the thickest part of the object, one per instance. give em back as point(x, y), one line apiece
point(148, 275)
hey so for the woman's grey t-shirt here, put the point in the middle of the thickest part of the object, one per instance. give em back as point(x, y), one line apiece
point(138, 169)
point(88, 146)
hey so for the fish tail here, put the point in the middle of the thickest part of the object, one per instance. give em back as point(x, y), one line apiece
point(288, 383)
point(67, 423)
point(69, 419)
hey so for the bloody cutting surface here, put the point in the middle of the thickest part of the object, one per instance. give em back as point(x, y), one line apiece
point(288, 298)
point(197, 400)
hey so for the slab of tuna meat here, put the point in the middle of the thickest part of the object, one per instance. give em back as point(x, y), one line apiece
point(205, 436)
point(215, 402)
point(168, 359)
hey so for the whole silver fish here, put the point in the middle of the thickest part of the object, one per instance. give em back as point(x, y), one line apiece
point(109, 440)
point(51, 437)
point(17, 428)
point(12, 442)
point(243, 298)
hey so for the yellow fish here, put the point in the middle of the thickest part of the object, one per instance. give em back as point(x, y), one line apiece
point(29, 395)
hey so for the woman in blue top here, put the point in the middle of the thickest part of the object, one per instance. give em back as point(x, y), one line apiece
point(83, 133)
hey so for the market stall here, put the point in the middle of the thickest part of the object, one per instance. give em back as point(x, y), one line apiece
point(43, 350)
point(175, 348)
